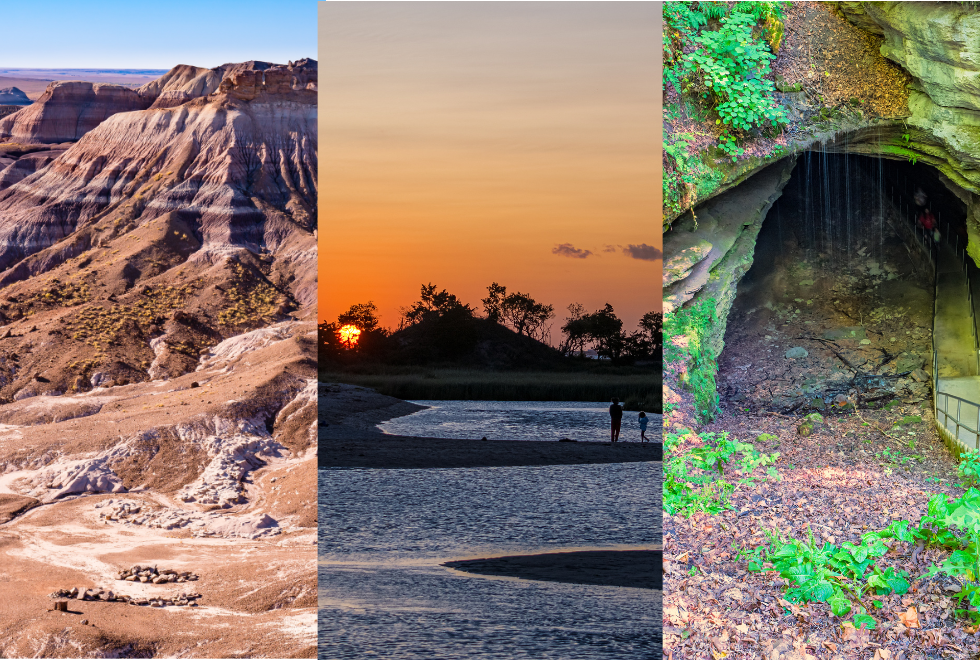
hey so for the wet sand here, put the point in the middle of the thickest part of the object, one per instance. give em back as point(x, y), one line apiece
point(641, 569)
point(348, 438)
point(413, 453)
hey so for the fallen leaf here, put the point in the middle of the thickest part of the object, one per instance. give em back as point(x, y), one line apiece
point(934, 637)
point(909, 618)
point(720, 642)
point(859, 638)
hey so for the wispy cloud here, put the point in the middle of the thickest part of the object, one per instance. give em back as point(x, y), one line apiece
point(569, 250)
point(612, 248)
point(643, 251)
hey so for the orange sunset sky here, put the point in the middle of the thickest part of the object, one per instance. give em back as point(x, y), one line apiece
point(467, 142)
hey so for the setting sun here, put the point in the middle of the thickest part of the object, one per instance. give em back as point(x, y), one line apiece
point(349, 334)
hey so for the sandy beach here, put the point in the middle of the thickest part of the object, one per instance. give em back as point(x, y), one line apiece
point(348, 416)
point(642, 569)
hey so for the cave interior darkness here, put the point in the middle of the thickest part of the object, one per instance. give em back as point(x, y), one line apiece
point(839, 296)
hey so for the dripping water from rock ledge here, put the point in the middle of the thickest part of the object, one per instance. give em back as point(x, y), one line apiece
point(840, 293)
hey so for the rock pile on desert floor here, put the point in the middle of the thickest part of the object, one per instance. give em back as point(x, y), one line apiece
point(108, 596)
point(156, 576)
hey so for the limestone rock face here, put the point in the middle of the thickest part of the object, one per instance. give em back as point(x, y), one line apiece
point(13, 96)
point(937, 43)
point(67, 111)
point(712, 255)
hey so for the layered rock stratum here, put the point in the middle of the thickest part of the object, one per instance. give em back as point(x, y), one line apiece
point(157, 349)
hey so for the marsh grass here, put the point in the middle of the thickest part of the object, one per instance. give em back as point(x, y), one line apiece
point(638, 389)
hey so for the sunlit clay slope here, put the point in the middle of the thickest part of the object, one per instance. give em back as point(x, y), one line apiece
point(157, 365)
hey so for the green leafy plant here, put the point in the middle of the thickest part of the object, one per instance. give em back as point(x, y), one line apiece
point(693, 325)
point(728, 144)
point(841, 576)
point(732, 65)
point(691, 177)
point(953, 525)
point(969, 468)
point(896, 457)
point(698, 480)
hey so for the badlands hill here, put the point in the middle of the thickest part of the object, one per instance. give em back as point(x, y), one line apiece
point(13, 96)
point(157, 354)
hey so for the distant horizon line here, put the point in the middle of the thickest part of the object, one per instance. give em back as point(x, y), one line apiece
point(90, 68)
point(7, 69)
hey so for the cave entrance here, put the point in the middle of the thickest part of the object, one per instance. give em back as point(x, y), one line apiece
point(838, 303)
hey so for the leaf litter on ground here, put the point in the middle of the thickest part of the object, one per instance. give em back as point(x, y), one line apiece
point(839, 488)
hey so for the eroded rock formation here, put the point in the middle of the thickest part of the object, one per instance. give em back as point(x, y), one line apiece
point(67, 111)
point(200, 215)
point(13, 96)
point(157, 334)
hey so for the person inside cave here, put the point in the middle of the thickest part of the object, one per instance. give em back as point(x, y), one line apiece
point(928, 223)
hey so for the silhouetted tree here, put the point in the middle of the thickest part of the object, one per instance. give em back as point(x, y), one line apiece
point(362, 315)
point(525, 315)
point(652, 324)
point(433, 304)
point(518, 310)
point(328, 343)
point(602, 330)
point(439, 326)
point(494, 300)
point(574, 331)
point(605, 329)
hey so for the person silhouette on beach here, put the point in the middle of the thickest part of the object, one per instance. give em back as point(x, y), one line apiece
point(616, 417)
point(643, 427)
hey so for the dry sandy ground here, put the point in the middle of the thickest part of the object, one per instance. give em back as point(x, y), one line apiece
point(220, 462)
point(348, 438)
point(642, 569)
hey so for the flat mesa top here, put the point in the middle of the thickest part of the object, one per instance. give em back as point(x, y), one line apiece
point(61, 74)
point(34, 81)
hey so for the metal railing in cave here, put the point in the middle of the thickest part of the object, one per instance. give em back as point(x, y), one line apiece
point(957, 418)
point(952, 425)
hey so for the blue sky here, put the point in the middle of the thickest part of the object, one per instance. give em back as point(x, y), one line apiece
point(132, 34)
